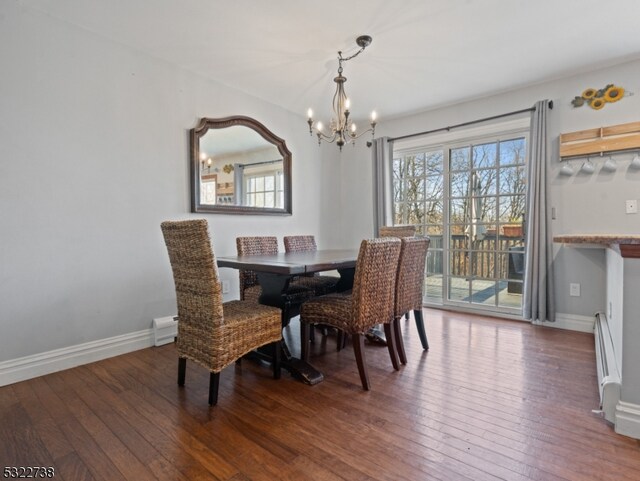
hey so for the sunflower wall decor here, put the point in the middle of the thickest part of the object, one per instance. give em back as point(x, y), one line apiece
point(598, 98)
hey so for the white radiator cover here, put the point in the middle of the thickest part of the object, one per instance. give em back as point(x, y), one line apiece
point(607, 366)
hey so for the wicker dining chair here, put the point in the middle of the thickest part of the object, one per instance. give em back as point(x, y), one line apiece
point(370, 302)
point(321, 285)
point(250, 289)
point(409, 289)
point(300, 243)
point(398, 231)
point(252, 246)
point(211, 333)
point(374, 335)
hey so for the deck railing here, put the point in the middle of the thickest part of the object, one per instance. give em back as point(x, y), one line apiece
point(490, 257)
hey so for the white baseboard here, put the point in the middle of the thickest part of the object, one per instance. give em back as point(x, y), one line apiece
point(28, 367)
point(628, 419)
point(571, 322)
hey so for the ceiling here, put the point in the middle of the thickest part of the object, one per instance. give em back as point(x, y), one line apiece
point(424, 54)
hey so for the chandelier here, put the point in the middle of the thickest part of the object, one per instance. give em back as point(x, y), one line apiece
point(341, 128)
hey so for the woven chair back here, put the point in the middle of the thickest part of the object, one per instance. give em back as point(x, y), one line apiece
point(374, 282)
point(410, 280)
point(300, 243)
point(398, 231)
point(198, 290)
point(253, 246)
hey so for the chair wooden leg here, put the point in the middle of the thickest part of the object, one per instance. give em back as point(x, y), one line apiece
point(406, 315)
point(358, 348)
point(182, 370)
point(304, 340)
point(277, 348)
point(312, 334)
point(421, 332)
point(285, 316)
point(340, 340)
point(399, 341)
point(214, 382)
point(391, 344)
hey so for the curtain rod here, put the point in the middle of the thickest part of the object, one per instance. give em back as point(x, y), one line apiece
point(471, 122)
point(261, 163)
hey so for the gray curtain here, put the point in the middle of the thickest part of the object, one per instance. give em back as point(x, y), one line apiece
point(539, 299)
point(381, 153)
point(238, 183)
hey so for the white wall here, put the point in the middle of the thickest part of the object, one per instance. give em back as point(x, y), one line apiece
point(93, 157)
point(585, 203)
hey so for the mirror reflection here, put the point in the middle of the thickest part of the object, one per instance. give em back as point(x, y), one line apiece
point(238, 166)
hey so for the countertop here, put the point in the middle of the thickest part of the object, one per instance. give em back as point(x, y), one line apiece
point(604, 239)
point(628, 244)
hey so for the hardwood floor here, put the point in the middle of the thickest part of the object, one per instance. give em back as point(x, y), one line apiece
point(491, 400)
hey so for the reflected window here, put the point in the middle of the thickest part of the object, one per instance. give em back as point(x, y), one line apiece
point(264, 189)
point(208, 189)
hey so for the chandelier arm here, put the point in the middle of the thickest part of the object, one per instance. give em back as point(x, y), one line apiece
point(357, 136)
point(327, 138)
point(336, 108)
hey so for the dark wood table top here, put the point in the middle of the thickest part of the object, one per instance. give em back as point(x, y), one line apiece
point(292, 263)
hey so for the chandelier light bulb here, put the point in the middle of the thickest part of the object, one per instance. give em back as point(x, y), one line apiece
point(353, 128)
point(347, 104)
point(309, 114)
point(374, 116)
point(319, 126)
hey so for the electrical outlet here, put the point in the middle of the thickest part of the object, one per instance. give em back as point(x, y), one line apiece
point(574, 289)
point(632, 206)
point(225, 287)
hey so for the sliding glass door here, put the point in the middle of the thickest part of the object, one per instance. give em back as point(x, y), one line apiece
point(469, 198)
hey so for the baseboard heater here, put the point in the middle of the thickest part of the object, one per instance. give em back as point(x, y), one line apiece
point(165, 329)
point(607, 366)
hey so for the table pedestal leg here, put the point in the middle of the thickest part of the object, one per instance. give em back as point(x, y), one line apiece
point(346, 279)
point(274, 293)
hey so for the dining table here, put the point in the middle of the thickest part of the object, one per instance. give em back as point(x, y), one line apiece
point(275, 272)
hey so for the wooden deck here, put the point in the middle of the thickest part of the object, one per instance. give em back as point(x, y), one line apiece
point(491, 400)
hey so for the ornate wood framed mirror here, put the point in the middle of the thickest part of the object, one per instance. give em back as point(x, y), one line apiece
point(238, 166)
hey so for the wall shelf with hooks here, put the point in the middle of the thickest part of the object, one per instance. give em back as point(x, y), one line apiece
point(600, 140)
